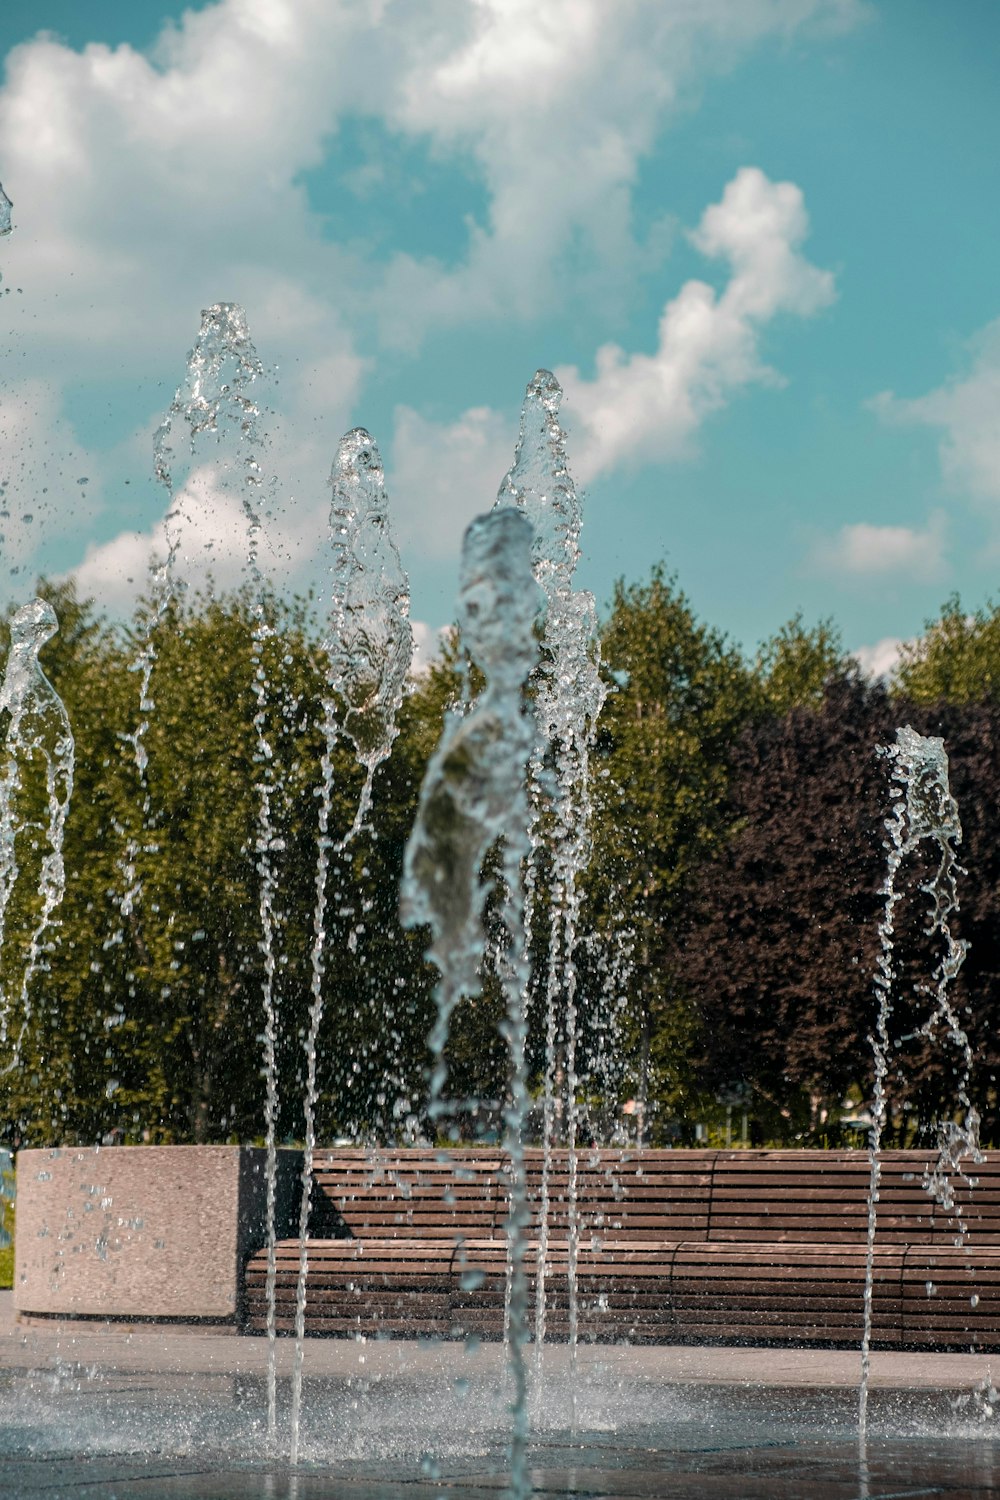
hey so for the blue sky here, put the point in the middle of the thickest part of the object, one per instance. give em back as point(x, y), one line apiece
point(757, 239)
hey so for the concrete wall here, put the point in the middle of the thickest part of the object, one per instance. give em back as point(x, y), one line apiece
point(125, 1232)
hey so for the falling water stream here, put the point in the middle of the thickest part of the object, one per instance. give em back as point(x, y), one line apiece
point(923, 809)
point(216, 399)
point(568, 696)
point(368, 648)
point(472, 795)
point(33, 806)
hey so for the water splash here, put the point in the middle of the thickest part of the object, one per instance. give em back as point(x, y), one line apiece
point(216, 399)
point(6, 209)
point(219, 388)
point(473, 793)
point(368, 648)
point(539, 483)
point(923, 808)
point(38, 730)
point(931, 803)
point(370, 644)
point(569, 694)
point(612, 954)
point(219, 368)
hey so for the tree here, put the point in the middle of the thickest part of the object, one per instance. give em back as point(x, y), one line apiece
point(956, 660)
point(147, 1018)
point(779, 942)
point(796, 665)
point(782, 932)
point(682, 693)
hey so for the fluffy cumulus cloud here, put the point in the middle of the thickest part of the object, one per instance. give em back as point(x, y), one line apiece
point(209, 531)
point(139, 183)
point(865, 551)
point(964, 412)
point(445, 473)
point(644, 407)
point(145, 178)
point(148, 186)
point(638, 408)
point(427, 645)
point(558, 104)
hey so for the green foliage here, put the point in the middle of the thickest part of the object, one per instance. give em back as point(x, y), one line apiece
point(682, 693)
point(737, 855)
point(6, 1226)
point(796, 665)
point(956, 660)
point(147, 1021)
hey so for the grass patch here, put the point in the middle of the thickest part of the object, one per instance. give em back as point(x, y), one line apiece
point(7, 1223)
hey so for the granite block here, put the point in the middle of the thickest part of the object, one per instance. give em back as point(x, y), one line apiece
point(143, 1232)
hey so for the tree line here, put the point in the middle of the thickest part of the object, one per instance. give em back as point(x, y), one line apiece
point(730, 914)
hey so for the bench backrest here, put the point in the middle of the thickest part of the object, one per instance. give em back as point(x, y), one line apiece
point(821, 1197)
point(719, 1196)
point(411, 1194)
point(647, 1195)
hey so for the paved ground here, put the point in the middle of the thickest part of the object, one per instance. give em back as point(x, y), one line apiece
point(170, 1351)
point(137, 1415)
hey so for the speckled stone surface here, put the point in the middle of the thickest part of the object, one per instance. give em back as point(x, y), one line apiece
point(126, 1232)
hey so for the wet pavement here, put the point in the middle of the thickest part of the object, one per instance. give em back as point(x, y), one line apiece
point(108, 1413)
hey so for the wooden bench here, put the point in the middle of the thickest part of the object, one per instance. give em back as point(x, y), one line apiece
point(674, 1246)
point(383, 1234)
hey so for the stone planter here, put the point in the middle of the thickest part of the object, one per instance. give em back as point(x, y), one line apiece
point(127, 1233)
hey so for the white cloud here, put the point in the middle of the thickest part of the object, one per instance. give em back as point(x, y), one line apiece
point(148, 186)
point(445, 473)
point(966, 411)
point(638, 408)
point(643, 407)
point(114, 573)
point(865, 551)
point(427, 644)
point(144, 185)
point(211, 531)
point(558, 104)
point(881, 659)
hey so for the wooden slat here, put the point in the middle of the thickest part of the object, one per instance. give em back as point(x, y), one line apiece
point(692, 1245)
point(419, 1194)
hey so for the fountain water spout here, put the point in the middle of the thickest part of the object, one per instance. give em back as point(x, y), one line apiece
point(474, 794)
point(569, 695)
point(368, 647)
point(923, 809)
point(38, 731)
